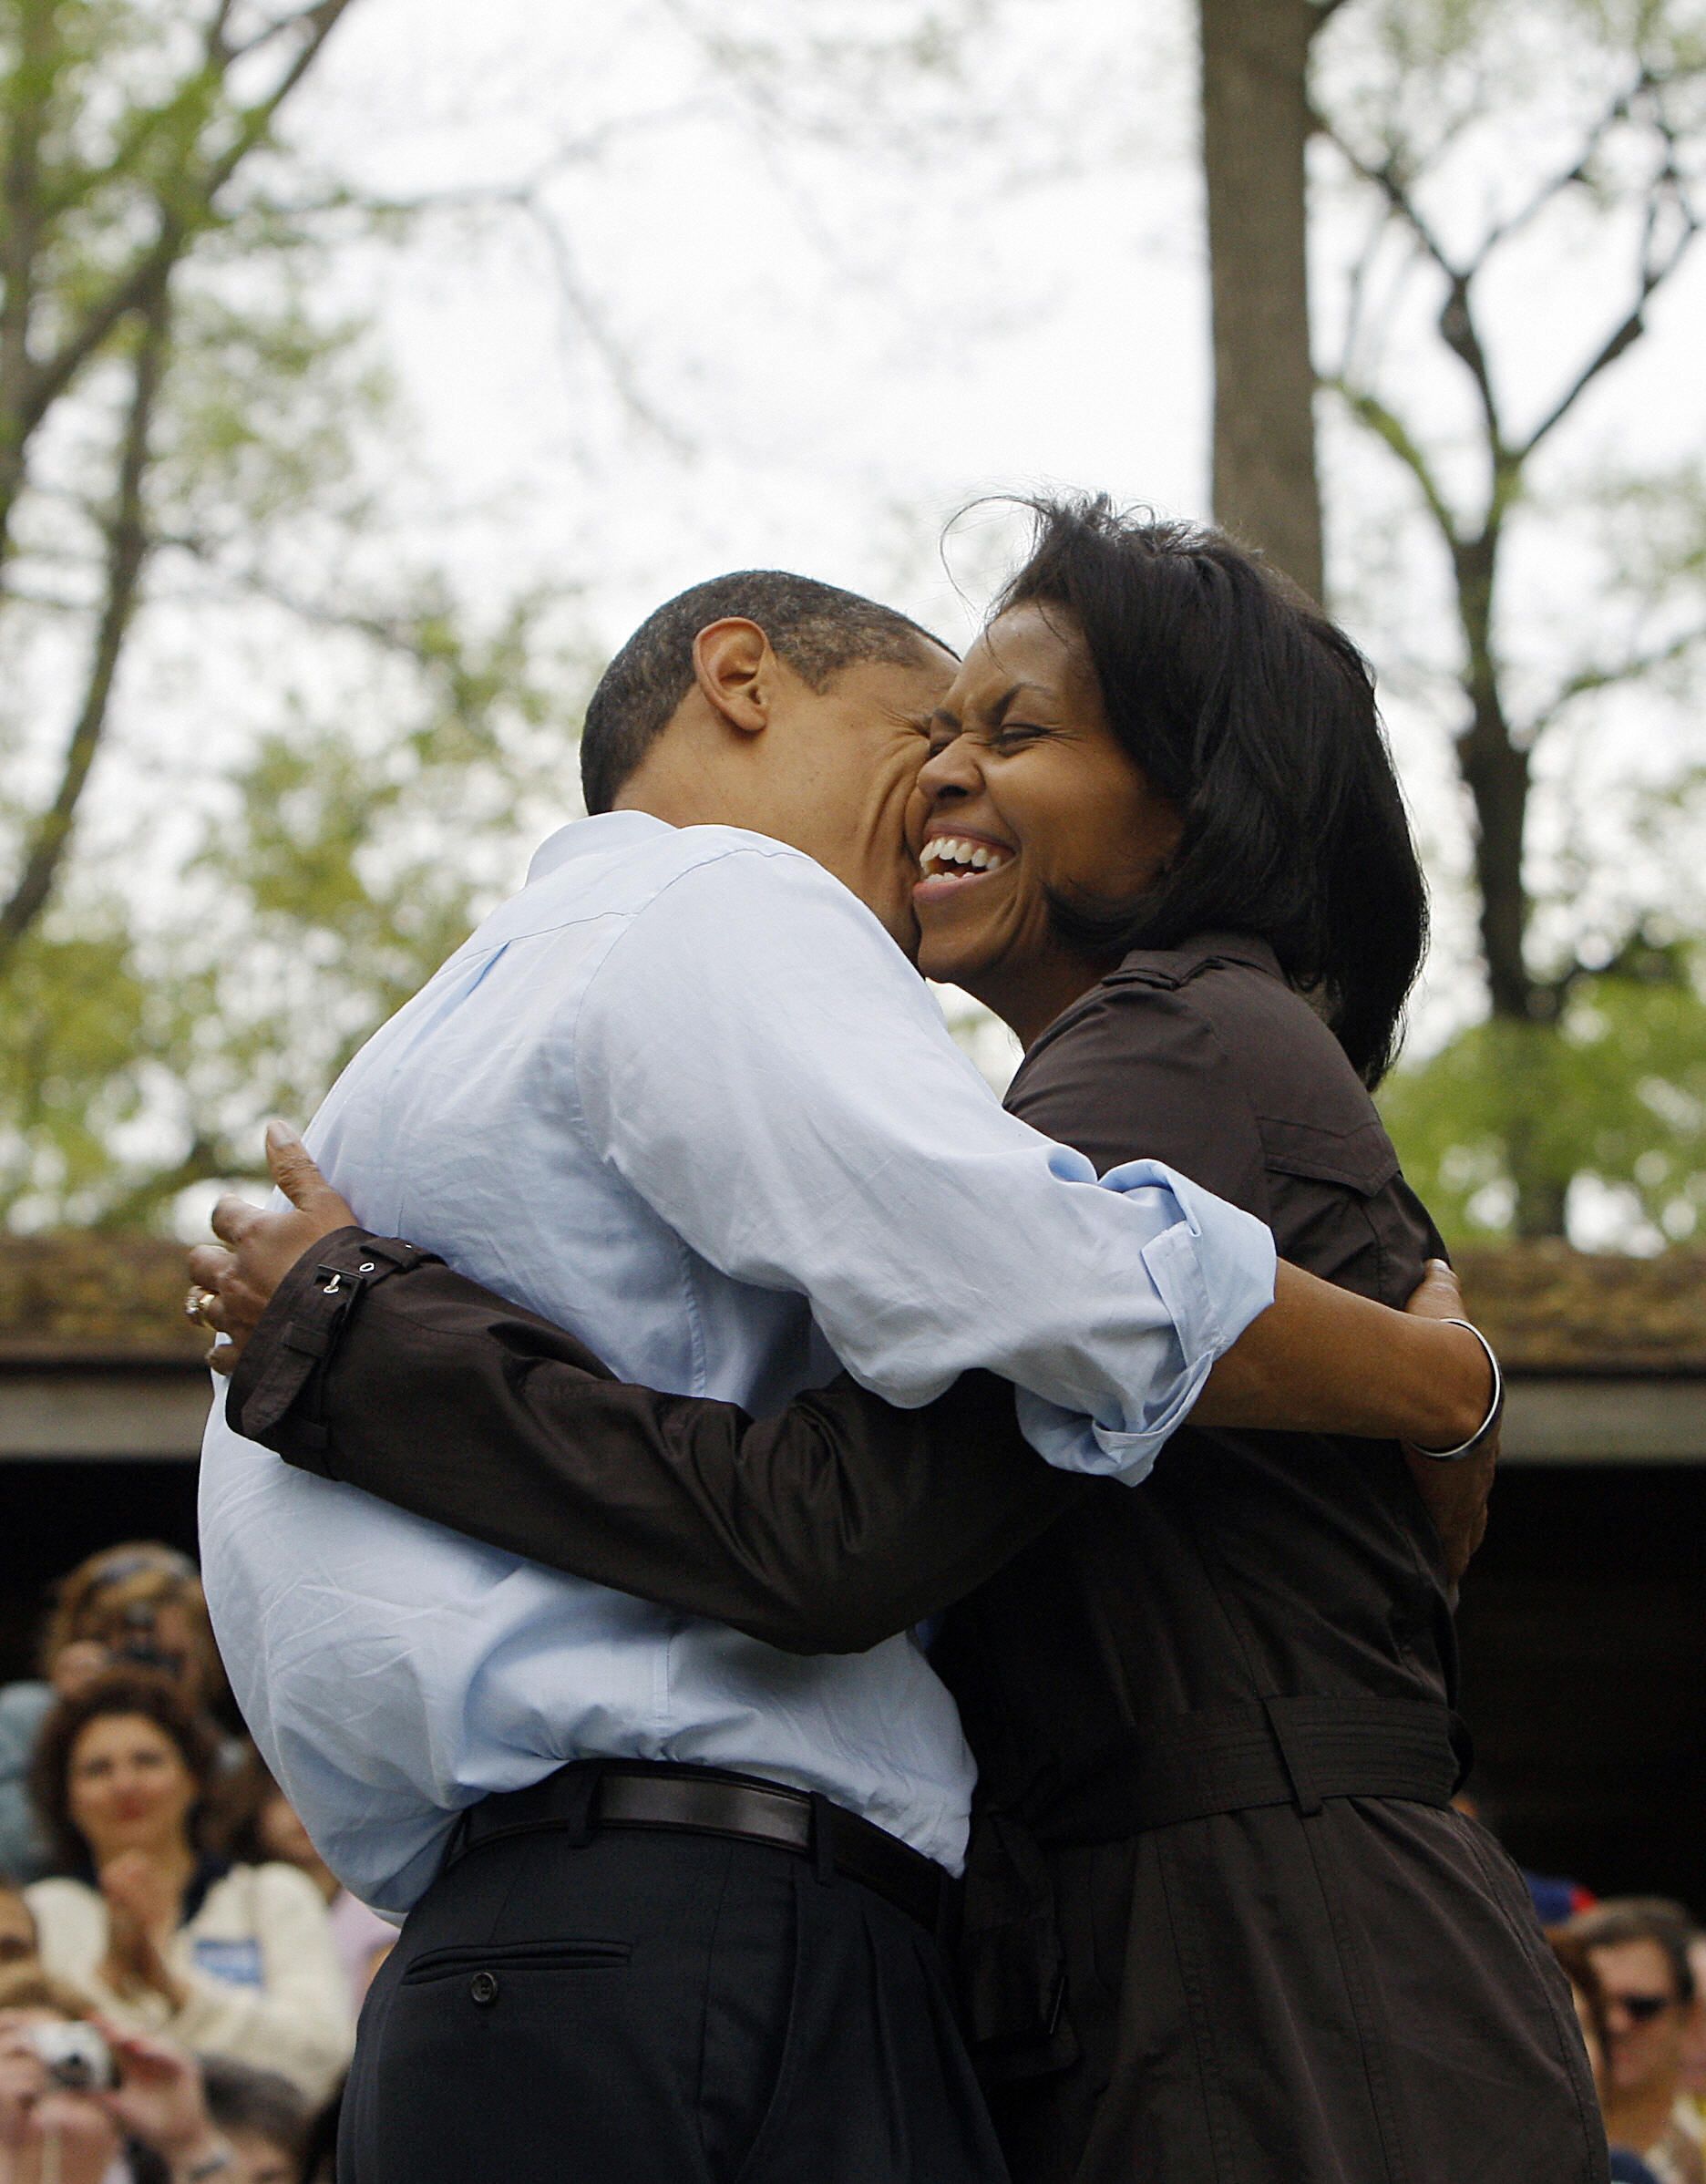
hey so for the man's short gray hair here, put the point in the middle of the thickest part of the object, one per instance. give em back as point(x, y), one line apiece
point(817, 628)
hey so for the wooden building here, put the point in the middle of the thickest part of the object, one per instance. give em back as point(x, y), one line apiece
point(1583, 1621)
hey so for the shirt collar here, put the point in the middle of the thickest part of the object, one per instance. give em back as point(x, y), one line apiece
point(589, 837)
point(1202, 948)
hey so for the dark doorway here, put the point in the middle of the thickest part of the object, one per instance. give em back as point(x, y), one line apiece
point(57, 1512)
point(1584, 1646)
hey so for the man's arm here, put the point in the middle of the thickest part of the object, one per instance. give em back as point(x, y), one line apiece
point(759, 1064)
point(824, 1528)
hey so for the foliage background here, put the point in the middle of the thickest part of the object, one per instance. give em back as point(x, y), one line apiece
point(516, 324)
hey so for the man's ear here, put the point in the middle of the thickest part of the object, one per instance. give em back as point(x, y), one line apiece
point(736, 673)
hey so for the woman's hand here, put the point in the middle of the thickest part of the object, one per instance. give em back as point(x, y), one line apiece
point(161, 2099)
point(84, 2141)
point(33, 2111)
point(237, 1283)
point(142, 1907)
point(23, 2081)
point(76, 1667)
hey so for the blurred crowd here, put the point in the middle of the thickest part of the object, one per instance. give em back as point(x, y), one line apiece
point(181, 1973)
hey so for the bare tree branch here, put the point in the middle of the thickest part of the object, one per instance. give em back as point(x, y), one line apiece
point(1587, 681)
point(1457, 319)
point(1386, 179)
point(1654, 273)
point(1387, 425)
point(127, 551)
point(1576, 171)
point(606, 344)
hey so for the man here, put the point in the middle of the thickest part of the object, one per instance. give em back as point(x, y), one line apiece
point(684, 1096)
point(1640, 1946)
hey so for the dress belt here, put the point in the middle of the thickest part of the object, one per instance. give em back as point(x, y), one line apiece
point(591, 1795)
point(1274, 1751)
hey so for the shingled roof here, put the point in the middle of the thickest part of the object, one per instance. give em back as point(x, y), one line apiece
point(79, 1299)
point(1548, 1309)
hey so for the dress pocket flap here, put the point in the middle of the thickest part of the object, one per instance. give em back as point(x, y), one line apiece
point(1360, 1158)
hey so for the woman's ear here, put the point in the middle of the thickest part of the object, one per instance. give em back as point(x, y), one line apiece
point(735, 669)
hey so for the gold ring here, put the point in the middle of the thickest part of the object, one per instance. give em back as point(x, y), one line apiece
point(196, 1307)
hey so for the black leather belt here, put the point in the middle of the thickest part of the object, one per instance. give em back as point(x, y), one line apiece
point(1277, 1751)
point(591, 1795)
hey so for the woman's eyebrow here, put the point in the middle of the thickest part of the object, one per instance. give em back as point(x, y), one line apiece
point(998, 712)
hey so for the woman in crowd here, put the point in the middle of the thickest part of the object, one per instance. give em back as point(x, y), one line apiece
point(1221, 1920)
point(152, 2125)
point(139, 1605)
point(166, 1936)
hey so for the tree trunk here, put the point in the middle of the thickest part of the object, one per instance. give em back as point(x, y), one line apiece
point(1496, 770)
point(1256, 129)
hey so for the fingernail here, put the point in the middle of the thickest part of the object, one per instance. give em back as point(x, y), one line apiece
point(280, 1134)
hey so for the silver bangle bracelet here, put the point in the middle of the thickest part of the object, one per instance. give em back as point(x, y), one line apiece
point(1495, 1409)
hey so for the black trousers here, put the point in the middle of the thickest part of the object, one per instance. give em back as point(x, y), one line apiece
point(656, 2007)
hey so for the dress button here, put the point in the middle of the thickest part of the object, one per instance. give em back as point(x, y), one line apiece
point(483, 1987)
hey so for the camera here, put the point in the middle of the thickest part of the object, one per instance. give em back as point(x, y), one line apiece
point(75, 2058)
point(135, 1645)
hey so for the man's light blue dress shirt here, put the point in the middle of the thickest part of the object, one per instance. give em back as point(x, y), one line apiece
point(683, 1096)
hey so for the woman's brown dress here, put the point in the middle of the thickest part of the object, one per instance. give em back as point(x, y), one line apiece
point(1314, 1988)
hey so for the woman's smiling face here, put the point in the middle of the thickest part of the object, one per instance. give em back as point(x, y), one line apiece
point(1026, 792)
point(129, 1788)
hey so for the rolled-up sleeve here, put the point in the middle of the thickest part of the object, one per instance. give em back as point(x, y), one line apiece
point(759, 1062)
point(1212, 1274)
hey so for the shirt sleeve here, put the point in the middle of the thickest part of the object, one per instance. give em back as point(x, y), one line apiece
point(757, 1060)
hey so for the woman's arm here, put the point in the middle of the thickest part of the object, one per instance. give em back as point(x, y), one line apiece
point(825, 1528)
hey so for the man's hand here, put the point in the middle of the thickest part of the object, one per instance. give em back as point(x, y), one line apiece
point(1456, 1494)
point(233, 1286)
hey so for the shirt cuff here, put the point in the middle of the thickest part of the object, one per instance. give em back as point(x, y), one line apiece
point(276, 1390)
point(1214, 1271)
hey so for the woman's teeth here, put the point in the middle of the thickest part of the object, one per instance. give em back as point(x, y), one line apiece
point(947, 854)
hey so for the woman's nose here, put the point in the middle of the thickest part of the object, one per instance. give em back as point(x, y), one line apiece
point(950, 773)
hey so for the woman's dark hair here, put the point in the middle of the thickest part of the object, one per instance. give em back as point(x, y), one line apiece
point(153, 1697)
point(1254, 715)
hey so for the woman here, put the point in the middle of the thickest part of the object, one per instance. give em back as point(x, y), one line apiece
point(139, 1603)
point(1221, 1920)
point(166, 1937)
point(154, 2126)
point(1202, 915)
